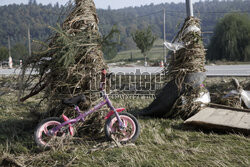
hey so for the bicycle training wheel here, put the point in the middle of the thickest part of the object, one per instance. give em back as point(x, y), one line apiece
point(128, 134)
point(43, 139)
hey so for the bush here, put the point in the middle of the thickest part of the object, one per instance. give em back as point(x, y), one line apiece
point(231, 40)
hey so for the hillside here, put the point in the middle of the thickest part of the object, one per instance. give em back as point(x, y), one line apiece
point(16, 18)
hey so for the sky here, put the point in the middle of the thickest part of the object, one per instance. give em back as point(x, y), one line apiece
point(114, 4)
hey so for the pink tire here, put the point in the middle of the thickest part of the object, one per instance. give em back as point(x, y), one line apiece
point(129, 134)
point(41, 135)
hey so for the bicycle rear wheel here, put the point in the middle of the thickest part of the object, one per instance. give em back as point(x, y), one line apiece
point(42, 136)
point(129, 134)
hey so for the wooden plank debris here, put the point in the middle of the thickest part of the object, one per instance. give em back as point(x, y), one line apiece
point(218, 118)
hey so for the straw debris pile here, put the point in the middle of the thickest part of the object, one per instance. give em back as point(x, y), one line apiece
point(185, 75)
point(190, 59)
point(71, 60)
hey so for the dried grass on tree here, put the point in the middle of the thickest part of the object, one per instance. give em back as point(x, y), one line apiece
point(71, 59)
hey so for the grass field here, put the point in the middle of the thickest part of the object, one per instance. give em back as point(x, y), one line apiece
point(162, 142)
point(155, 55)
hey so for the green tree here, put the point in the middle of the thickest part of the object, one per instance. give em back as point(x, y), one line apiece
point(19, 52)
point(144, 40)
point(247, 53)
point(231, 40)
point(110, 43)
point(15, 18)
point(3, 53)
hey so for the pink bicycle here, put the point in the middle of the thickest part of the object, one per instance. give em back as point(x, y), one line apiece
point(119, 125)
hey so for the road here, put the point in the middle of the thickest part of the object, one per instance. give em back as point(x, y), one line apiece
point(228, 70)
point(212, 70)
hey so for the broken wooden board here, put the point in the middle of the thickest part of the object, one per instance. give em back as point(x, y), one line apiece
point(217, 118)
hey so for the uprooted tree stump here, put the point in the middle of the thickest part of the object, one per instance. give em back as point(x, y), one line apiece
point(185, 73)
point(70, 61)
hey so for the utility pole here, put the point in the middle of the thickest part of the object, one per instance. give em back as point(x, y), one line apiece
point(9, 46)
point(164, 36)
point(189, 8)
point(10, 58)
point(29, 41)
point(21, 79)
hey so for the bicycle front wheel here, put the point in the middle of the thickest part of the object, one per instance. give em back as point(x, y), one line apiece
point(42, 136)
point(129, 134)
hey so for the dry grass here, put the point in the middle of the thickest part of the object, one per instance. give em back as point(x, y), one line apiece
point(162, 142)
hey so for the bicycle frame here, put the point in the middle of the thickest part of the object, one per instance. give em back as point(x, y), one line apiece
point(81, 116)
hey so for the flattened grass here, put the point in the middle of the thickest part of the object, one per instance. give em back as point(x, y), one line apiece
point(162, 142)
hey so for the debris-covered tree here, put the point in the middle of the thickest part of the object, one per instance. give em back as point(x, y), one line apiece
point(71, 60)
point(185, 74)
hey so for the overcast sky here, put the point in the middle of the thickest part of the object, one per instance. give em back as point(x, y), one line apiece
point(114, 4)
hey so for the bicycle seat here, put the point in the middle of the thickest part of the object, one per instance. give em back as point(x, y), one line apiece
point(74, 100)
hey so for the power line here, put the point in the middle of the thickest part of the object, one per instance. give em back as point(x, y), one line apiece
point(183, 12)
point(216, 12)
point(224, 12)
point(244, 11)
point(140, 16)
point(166, 11)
